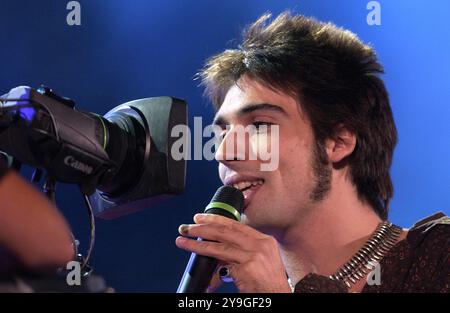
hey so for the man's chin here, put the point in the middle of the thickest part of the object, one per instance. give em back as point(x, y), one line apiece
point(252, 222)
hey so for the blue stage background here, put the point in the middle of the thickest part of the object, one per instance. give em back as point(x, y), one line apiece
point(126, 50)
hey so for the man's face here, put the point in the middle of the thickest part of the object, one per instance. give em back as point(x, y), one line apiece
point(277, 199)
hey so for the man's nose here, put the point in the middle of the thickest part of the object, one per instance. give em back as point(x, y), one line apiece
point(231, 148)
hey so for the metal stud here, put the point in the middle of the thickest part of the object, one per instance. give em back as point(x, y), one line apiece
point(382, 240)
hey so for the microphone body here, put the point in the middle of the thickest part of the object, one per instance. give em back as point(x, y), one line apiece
point(228, 202)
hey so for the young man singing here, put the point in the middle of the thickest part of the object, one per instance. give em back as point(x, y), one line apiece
point(320, 218)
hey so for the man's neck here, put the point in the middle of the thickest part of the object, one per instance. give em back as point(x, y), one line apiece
point(333, 231)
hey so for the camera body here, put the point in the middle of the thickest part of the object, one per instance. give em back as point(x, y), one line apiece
point(122, 160)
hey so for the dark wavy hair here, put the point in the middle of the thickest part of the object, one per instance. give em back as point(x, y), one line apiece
point(334, 76)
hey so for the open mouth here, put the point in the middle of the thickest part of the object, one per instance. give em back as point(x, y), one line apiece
point(244, 185)
point(249, 189)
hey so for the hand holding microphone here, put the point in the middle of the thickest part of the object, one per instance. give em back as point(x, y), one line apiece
point(227, 202)
point(252, 258)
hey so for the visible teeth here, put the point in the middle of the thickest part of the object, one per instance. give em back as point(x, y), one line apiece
point(245, 184)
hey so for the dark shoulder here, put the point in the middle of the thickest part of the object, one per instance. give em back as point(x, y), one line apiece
point(429, 243)
point(433, 230)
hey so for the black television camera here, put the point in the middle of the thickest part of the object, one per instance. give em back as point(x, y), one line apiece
point(122, 161)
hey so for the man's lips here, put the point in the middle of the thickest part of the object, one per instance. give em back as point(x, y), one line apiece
point(247, 184)
point(249, 193)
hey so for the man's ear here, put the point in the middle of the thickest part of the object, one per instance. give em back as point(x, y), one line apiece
point(340, 145)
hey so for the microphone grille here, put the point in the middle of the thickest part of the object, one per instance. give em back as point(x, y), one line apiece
point(230, 196)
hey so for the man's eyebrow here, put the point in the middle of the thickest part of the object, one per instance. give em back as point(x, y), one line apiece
point(220, 120)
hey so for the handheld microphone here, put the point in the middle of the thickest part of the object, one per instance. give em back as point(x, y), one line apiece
point(227, 201)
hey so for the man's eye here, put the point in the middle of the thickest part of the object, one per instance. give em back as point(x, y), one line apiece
point(262, 126)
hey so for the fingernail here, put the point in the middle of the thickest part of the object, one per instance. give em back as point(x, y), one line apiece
point(180, 239)
point(183, 229)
